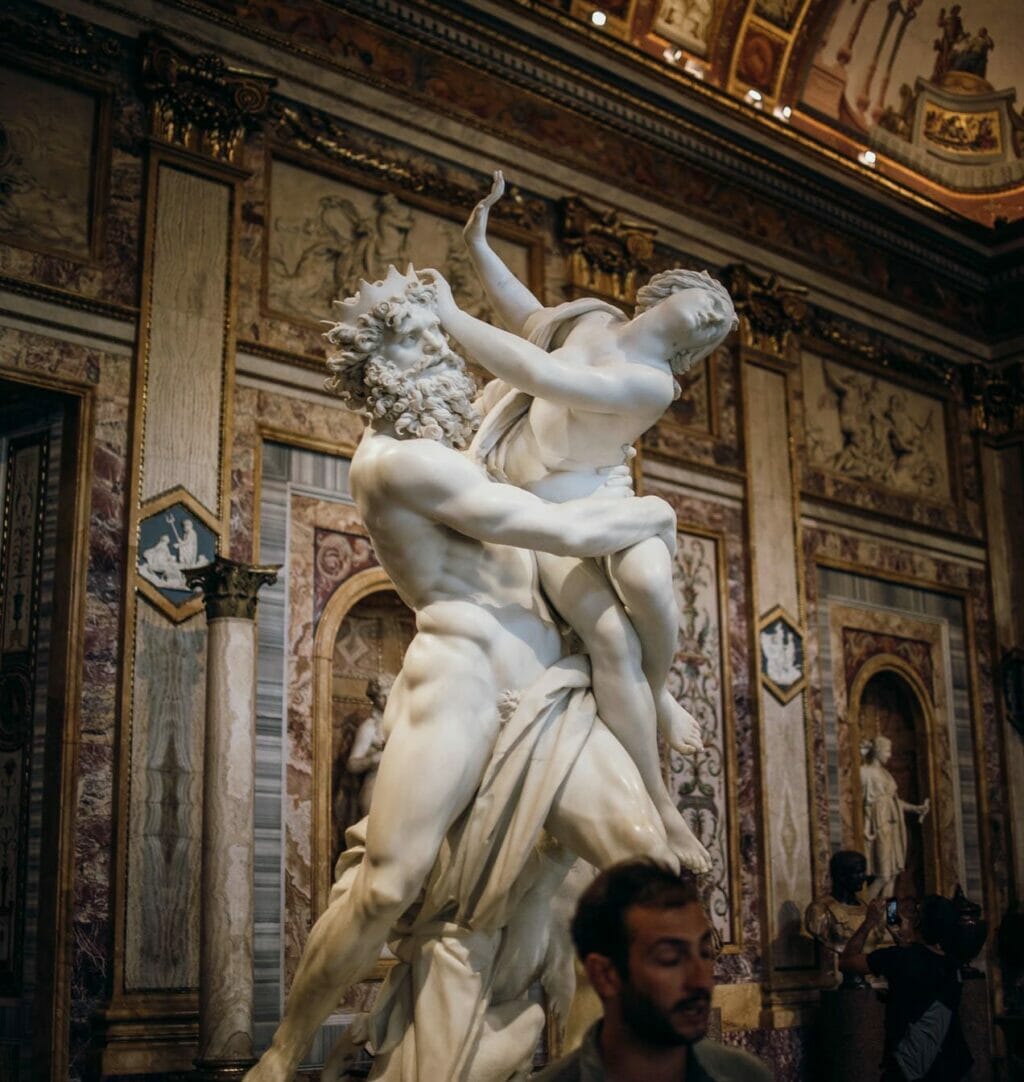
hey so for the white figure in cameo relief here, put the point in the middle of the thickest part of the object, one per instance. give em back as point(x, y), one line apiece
point(885, 812)
point(576, 386)
point(492, 738)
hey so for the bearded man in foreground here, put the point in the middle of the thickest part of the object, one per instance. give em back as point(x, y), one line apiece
point(484, 667)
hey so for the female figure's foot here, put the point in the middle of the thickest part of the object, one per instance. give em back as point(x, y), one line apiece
point(678, 726)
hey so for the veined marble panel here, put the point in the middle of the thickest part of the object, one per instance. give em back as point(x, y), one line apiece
point(165, 818)
point(185, 364)
point(771, 500)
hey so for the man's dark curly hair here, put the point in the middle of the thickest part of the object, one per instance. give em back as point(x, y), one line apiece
point(599, 926)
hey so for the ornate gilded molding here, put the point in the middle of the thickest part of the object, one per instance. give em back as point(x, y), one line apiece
point(313, 132)
point(771, 315)
point(230, 588)
point(198, 102)
point(55, 35)
point(607, 253)
point(996, 399)
point(868, 345)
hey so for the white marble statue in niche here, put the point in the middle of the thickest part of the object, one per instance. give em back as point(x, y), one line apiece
point(368, 742)
point(484, 793)
point(885, 812)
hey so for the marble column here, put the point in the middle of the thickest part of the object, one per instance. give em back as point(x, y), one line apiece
point(226, 913)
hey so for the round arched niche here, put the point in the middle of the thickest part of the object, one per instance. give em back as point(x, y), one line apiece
point(363, 634)
point(888, 699)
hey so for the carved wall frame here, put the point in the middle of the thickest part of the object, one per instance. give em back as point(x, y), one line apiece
point(159, 1025)
point(320, 164)
point(68, 662)
point(944, 397)
point(102, 91)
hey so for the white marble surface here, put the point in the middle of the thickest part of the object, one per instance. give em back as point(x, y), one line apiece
point(226, 955)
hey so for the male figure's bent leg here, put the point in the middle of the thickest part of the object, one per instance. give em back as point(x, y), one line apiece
point(445, 720)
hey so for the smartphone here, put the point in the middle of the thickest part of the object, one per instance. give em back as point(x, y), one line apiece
point(892, 912)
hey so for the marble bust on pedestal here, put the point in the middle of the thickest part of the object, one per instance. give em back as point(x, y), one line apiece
point(833, 919)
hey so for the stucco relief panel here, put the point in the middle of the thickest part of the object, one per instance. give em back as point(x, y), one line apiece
point(869, 429)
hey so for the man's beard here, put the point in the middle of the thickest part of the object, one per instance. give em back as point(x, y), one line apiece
point(652, 1024)
point(428, 406)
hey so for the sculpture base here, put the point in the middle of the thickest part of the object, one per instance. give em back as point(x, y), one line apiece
point(221, 1070)
point(851, 1035)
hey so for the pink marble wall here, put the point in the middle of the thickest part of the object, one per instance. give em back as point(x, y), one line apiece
point(109, 376)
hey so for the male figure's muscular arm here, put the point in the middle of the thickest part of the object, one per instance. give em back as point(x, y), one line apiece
point(555, 377)
point(443, 486)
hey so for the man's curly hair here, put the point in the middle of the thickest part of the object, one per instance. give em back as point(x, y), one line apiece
point(358, 345)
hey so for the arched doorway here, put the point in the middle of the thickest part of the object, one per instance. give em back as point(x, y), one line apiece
point(362, 636)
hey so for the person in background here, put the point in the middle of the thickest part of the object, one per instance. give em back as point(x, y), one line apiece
point(923, 1038)
point(649, 951)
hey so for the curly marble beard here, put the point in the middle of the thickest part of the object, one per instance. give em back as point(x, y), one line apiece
point(431, 407)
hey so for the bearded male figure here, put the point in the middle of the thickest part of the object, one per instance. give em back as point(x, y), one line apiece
point(459, 549)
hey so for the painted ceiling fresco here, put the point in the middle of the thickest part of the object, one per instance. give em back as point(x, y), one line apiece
point(920, 92)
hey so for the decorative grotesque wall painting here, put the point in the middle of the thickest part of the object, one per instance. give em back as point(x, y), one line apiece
point(893, 665)
point(701, 784)
point(870, 430)
point(927, 83)
point(325, 234)
point(47, 169)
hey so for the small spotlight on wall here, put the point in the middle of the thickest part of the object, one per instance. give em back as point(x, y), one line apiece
point(598, 17)
point(755, 98)
point(867, 157)
point(782, 113)
point(673, 56)
point(691, 67)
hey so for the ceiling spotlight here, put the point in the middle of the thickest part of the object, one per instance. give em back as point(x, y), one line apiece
point(755, 98)
point(598, 17)
point(673, 56)
point(868, 158)
point(691, 67)
point(782, 113)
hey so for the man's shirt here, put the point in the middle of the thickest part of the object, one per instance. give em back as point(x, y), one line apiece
point(708, 1061)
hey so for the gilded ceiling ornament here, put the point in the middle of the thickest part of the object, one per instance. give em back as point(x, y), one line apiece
point(198, 102)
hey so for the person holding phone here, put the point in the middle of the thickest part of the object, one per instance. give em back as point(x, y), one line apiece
point(924, 1041)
